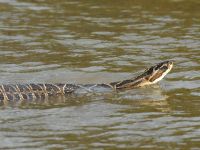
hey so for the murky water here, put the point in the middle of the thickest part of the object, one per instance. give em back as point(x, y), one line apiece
point(102, 41)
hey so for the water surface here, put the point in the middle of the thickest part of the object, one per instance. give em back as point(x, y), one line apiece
point(94, 42)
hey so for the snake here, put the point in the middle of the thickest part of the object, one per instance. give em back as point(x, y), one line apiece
point(41, 91)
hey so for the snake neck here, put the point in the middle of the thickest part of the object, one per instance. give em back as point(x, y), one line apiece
point(129, 83)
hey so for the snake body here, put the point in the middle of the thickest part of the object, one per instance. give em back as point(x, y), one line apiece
point(16, 92)
point(30, 92)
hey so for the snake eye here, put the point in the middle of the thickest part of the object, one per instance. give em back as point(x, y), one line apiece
point(164, 68)
point(158, 66)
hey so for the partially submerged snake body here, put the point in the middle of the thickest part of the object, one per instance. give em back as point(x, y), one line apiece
point(29, 92)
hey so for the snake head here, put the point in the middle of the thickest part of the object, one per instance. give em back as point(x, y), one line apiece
point(149, 76)
point(158, 72)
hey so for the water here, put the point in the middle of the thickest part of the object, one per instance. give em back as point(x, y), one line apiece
point(95, 42)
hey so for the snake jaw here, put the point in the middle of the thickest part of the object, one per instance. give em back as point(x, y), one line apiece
point(160, 71)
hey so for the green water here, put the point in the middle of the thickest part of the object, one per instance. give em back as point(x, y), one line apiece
point(50, 41)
